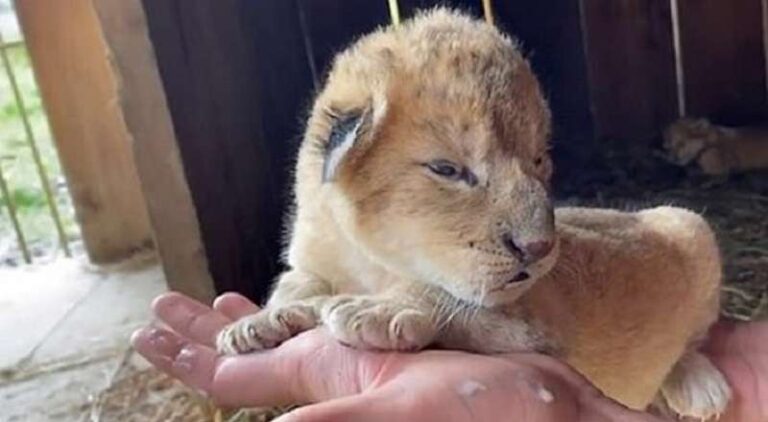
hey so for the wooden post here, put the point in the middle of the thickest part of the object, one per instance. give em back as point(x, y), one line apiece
point(79, 92)
point(142, 100)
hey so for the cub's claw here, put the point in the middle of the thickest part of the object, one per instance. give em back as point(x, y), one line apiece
point(266, 329)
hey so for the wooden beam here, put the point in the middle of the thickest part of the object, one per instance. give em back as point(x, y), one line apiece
point(237, 78)
point(79, 92)
point(631, 58)
point(148, 124)
point(723, 57)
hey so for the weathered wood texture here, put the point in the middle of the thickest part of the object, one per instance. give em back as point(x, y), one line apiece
point(237, 79)
point(80, 96)
point(145, 110)
point(765, 41)
point(409, 7)
point(331, 25)
point(552, 38)
point(723, 57)
point(631, 59)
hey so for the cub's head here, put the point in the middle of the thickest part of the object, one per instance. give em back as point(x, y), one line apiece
point(685, 139)
point(431, 141)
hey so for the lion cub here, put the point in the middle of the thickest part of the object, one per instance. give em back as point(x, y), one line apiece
point(423, 217)
point(717, 150)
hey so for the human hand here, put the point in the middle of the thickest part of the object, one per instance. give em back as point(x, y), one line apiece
point(347, 384)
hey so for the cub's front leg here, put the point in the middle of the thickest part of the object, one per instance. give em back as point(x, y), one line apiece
point(388, 321)
point(294, 307)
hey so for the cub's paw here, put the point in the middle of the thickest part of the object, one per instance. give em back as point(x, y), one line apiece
point(376, 323)
point(266, 329)
point(695, 388)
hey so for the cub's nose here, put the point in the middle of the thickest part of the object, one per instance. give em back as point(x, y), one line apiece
point(536, 251)
point(527, 253)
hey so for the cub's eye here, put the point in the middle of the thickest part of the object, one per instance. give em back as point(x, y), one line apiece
point(452, 171)
point(446, 169)
point(540, 160)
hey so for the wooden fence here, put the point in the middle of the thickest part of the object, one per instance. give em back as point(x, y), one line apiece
point(239, 76)
point(81, 95)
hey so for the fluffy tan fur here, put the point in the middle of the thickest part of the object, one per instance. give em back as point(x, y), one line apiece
point(390, 254)
point(717, 150)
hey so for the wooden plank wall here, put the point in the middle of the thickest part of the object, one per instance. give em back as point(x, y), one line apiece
point(723, 56)
point(233, 91)
point(632, 74)
point(80, 94)
point(552, 38)
point(239, 77)
point(331, 25)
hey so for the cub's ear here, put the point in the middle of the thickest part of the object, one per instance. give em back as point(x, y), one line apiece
point(349, 129)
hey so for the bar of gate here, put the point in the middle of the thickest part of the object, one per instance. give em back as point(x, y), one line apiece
point(42, 172)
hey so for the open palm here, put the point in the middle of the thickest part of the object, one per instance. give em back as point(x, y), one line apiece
point(343, 384)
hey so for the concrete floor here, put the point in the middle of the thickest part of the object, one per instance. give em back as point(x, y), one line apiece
point(64, 331)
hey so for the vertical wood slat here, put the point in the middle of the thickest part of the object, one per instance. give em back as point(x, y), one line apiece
point(79, 91)
point(331, 25)
point(723, 56)
point(409, 7)
point(237, 78)
point(147, 118)
point(552, 38)
point(631, 59)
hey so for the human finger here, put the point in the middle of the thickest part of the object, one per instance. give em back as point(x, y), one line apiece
point(189, 318)
point(191, 363)
point(234, 306)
